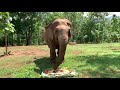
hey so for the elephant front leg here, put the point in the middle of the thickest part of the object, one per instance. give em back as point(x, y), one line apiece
point(58, 64)
point(60, 58)
point(52, 56)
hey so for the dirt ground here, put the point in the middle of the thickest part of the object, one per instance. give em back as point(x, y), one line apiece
point(76, 52)
point(18, 52)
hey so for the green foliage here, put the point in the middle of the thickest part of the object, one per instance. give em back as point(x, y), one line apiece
point(5, 22)
point(29, 26)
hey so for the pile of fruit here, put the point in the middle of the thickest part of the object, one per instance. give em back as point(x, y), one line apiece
point(60, 73)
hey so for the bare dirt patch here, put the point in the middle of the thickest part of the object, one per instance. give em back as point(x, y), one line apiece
point(113, 47)
point(12, 65)
point(25, 51)
point(21, 51)
point(77, 52)
point(30, 52)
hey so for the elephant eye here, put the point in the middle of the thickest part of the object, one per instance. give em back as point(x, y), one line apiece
point(69, 24)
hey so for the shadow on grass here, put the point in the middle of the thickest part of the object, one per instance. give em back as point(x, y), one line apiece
point(106, 66)
point(42, 64)
point(95, 66)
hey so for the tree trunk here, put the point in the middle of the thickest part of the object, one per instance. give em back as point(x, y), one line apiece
point(18, 39)
point(6, 47)
point(28, 38)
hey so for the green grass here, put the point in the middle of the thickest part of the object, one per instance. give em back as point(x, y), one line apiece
point(89, 61)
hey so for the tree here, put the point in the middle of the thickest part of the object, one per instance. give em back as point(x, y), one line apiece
point(115, 35)
point(25, 25)
point(91, 28)
point(6, 27)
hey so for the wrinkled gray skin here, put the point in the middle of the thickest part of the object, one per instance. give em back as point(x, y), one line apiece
point(57, 35)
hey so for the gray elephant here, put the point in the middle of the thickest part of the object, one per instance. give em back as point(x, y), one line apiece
point(57, 35)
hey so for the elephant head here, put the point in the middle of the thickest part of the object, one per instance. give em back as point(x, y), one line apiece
point(57, 35)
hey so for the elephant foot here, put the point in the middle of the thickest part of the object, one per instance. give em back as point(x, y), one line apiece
point(54, 71)
point(56, 66)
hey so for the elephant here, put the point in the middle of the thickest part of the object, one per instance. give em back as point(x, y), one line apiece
point(57, 35)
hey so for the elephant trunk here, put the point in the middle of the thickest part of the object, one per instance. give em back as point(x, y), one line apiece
point(63, 40)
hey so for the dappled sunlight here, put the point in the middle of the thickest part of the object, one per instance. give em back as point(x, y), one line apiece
point(104, 66)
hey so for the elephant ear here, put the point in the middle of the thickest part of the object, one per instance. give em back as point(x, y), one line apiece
point(70, 27)
point(49, 32)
